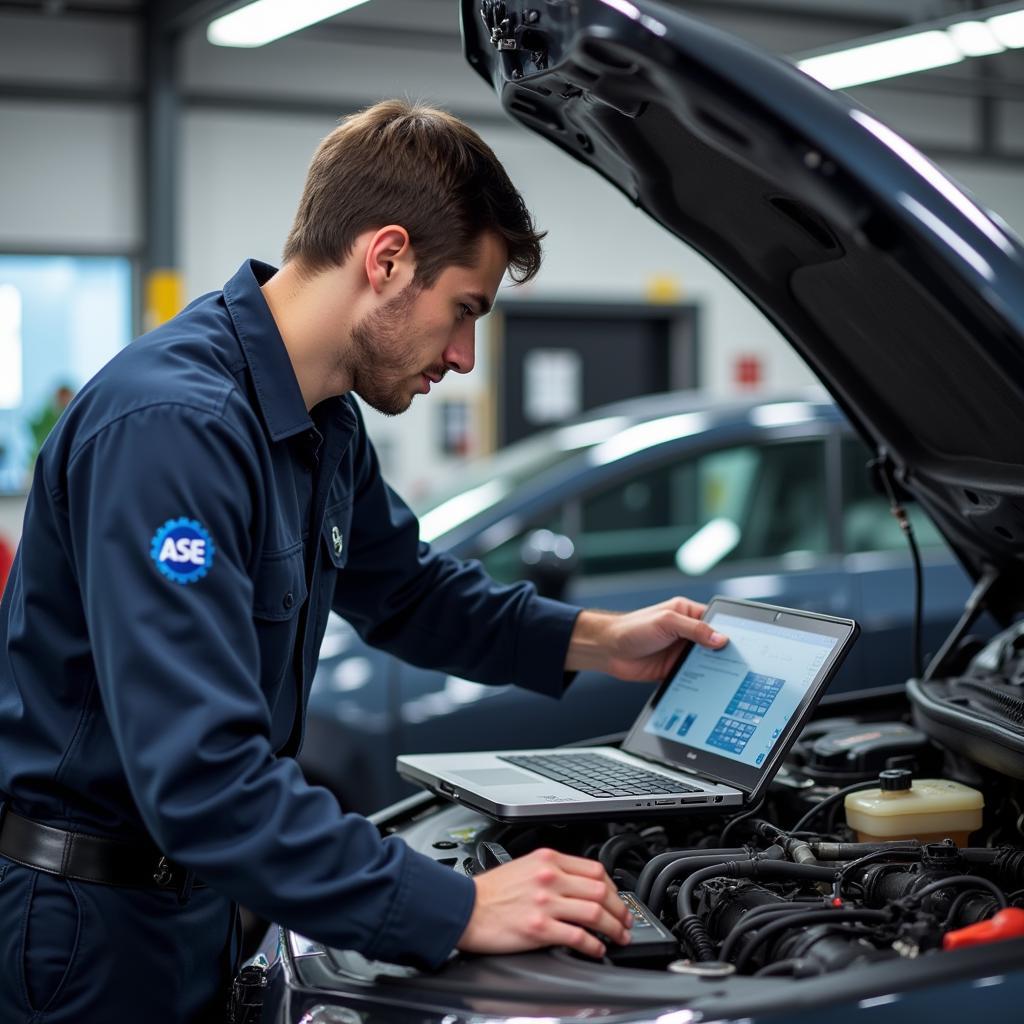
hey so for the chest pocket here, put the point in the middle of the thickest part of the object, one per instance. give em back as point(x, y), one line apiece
point(279, 594)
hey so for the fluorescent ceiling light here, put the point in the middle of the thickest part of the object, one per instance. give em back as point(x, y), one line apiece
point(974, 39)
point(873, 62)
point(263, 21)
point(1008, 29)
point(938, 45)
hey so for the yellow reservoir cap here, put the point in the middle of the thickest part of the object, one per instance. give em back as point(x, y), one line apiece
point(930, 811)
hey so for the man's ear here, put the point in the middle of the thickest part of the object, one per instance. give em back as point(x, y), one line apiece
point(389, 260)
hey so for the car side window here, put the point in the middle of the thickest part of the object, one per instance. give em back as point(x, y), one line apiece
point(743, 503)
point(868, 525)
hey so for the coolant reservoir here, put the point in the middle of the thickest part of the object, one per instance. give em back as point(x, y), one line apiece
point(928, 810)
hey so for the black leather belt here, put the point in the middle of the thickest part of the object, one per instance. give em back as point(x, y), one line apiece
point(86, 858)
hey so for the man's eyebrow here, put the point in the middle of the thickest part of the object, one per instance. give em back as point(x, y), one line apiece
point(483, 303)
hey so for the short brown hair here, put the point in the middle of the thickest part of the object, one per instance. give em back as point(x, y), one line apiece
point(422, 168)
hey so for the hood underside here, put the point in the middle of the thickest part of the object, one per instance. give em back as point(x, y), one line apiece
point(903, 295)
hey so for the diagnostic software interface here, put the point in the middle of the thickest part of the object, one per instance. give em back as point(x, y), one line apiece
point(737, 700)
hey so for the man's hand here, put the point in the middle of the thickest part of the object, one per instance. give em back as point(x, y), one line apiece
point(640, 645)
point(545, 899)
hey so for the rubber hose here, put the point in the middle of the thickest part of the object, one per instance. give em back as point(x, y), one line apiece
point(612, 849)
point(696, 933)
point(676, 869)
point(754, 919)
point(655, 864)
point(811, 917)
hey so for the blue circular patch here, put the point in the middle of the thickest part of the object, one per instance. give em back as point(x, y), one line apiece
point(183, 550)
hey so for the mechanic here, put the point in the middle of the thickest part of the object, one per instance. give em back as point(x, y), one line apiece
point(199, 509)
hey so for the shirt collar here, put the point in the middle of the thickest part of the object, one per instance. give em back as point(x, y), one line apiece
point(277, 388)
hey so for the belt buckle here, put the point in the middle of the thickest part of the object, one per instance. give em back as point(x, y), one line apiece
point(164, 873)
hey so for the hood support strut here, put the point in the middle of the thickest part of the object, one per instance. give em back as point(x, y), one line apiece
point(974, 607)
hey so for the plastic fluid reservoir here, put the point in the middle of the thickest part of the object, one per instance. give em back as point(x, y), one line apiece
point(929, 810)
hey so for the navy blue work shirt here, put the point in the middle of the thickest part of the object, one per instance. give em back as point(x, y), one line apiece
point(189, 528)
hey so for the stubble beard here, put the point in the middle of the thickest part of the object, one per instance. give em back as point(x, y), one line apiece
point(380, 368)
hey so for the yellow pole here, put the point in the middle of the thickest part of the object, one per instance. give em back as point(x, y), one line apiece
point(164, 296)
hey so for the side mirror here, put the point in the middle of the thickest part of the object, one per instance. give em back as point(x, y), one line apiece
point(548, 562)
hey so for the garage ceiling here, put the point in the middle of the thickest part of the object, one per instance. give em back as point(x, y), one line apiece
point(434, 23)
point(780, 26)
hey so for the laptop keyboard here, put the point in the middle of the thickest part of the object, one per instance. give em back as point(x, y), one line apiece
point(599, 776)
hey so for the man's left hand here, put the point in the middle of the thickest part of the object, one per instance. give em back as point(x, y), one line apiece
point(640, 645)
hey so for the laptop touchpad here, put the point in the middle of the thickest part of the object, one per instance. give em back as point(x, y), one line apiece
point(497, 777)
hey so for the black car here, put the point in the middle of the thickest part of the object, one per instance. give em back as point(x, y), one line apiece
point(907, 300)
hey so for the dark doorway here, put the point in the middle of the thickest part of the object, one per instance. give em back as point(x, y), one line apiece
point(560, 359)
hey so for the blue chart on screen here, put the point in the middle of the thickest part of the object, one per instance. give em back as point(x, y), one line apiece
point(669, 722)
point(754, 697)
point(731, 735)
point(744, 712)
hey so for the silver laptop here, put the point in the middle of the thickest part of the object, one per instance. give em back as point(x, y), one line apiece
point(712, 736)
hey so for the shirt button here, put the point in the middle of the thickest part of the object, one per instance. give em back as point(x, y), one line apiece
point(289, 600)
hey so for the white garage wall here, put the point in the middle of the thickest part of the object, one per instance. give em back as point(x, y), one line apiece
point(69, 172)
point(68, 177)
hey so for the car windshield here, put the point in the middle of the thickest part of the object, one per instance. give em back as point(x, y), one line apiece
point(484, 482)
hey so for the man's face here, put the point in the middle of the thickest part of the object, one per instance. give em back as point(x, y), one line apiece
point(415, 338)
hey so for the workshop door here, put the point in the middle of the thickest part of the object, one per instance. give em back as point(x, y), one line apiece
point(558, 361)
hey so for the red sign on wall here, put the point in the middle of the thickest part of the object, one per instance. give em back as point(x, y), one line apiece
point(748, 371)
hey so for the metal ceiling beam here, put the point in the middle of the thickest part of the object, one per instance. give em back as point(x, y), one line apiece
point(161, 131)
point(986, 86)
point(266, 103)
point(387, 37)
point(130, 11)
point(30, 92)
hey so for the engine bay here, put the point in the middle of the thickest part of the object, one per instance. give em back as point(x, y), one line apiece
point(880, 859)
point(786, 890)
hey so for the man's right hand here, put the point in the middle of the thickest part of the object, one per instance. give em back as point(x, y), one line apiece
point(545, 899)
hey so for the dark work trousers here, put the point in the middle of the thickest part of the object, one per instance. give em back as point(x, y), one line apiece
point(98, 954)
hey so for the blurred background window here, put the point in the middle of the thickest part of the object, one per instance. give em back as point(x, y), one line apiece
point(61, 319)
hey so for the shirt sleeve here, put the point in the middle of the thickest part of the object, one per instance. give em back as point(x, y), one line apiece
point(437, 611)
point(177, 667)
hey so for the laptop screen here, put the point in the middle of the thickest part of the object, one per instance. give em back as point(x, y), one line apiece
point(729, 712)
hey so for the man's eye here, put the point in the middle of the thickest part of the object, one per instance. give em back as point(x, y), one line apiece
point(464, 311)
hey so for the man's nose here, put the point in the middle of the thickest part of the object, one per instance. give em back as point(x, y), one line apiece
point(460, 355)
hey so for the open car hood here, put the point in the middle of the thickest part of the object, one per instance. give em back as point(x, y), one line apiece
point(904, 296)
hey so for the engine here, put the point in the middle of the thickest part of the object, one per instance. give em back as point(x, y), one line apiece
point(787, 889)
